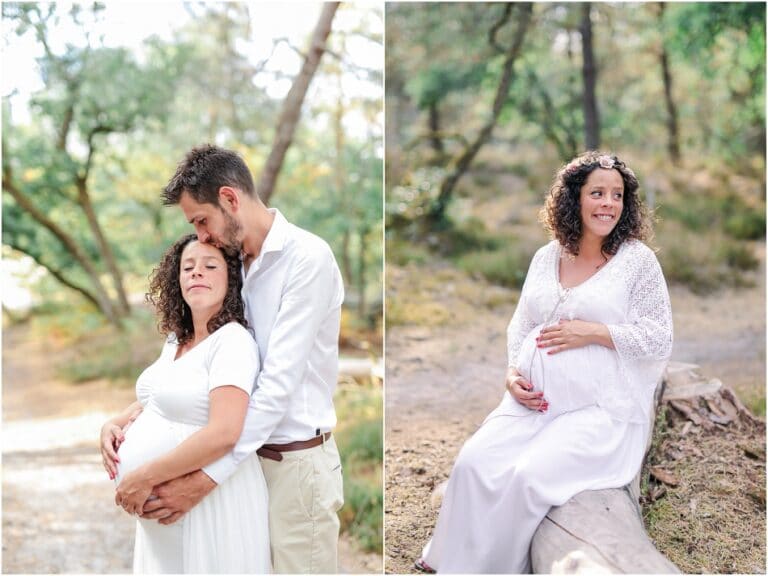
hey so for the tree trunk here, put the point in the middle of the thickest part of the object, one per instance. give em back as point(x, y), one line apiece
point(554, 121)
point(462, 163)
point(289, 116)
point(394, 104)
point(105, 250)
point(589, 73)
point(361, 279)
point(672, 130)
point(434, 130)
point(339, 182)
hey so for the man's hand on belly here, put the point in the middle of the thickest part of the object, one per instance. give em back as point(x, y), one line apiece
point(171, 500)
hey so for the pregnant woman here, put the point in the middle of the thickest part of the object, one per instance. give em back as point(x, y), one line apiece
point(587, 344)
point(193, 402)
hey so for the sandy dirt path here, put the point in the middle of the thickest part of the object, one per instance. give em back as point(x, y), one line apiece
point(58, 510)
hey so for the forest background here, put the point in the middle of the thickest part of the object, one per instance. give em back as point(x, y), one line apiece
point(484, 103)
point(99, 104)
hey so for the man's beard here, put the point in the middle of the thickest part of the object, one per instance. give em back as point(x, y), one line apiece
point(230, 240)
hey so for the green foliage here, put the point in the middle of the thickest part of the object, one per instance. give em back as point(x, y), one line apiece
point(403, 252)
point(132, 109)
point(746, 225)
point(362, 512)
point(360, 440)
point(363, 441)
point(436, 83)
point(716, 58)
point(704, 262)
point(703, 211)
point(738, 257)
point(505, 266)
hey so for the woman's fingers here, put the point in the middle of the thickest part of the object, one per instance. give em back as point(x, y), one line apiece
point(523, 393)
point(110, 468)
point(539, 404)
point(110, 441)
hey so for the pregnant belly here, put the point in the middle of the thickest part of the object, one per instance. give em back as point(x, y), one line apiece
point(148, 437)
point(570, 379)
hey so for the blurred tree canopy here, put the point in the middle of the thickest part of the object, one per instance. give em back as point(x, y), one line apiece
point(82, 175)
point(676, 82)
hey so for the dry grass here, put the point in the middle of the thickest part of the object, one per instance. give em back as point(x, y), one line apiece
point(713, 521)
point(441, 297)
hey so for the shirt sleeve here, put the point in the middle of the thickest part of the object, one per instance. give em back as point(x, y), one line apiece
point(233, 359)
point(522, 322)
point(312, 291)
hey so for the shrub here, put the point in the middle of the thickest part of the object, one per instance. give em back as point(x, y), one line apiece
point(506, 266)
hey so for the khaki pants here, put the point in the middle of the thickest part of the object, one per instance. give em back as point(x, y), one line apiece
point(305, 492)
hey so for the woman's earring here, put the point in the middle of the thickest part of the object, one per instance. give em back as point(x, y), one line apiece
point(183, 311)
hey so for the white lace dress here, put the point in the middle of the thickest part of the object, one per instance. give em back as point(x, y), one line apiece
point(522, 462)
point(228, 531)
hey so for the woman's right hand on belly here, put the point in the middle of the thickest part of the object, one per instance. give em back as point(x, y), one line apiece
point(111, 438)
point(523, 392)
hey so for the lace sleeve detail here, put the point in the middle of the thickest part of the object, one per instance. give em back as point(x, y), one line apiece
point(643, 342)
point(522, 322)
point(648, 332)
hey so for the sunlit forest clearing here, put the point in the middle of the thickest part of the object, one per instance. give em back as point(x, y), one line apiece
point(100, 107)
point(484, 104)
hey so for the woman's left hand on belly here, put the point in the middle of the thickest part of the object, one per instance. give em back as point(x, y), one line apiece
point(570, 334)
point(133, 491)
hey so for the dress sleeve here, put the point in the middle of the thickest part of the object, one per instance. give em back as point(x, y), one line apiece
point(233, 359)
point(648, 332)
point(643, 342)
point(522, 322)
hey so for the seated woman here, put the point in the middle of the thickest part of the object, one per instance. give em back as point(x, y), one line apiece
point(587, 345)
point(193, 402)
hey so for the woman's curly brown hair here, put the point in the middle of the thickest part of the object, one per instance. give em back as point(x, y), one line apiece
point(174, 315)
point(561, 214)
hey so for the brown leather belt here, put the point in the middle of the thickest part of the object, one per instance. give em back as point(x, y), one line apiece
point(273, 451)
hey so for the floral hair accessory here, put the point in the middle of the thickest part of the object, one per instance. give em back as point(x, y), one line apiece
point(606, 162)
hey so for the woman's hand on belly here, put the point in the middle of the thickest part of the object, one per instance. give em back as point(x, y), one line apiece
point(133, 491)
point(570, 334)
point(522, 391)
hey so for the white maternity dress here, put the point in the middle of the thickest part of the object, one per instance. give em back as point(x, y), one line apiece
point(228, 531)
point(522, 462)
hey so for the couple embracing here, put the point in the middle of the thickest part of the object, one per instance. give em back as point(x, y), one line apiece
point(227, 458)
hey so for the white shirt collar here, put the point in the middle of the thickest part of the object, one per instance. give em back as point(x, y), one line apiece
point(277, 234)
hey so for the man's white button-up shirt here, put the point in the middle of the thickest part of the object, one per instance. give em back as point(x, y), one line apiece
point(293, 293)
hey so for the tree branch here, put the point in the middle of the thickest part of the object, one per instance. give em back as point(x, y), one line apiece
point(289, 116)
point(461, 164)
point(55, 272)
point(66, 240)
point(498, 26)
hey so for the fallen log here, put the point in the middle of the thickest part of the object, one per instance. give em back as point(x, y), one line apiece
point(600, 531)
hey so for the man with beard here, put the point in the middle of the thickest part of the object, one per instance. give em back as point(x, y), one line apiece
point(293, 293)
